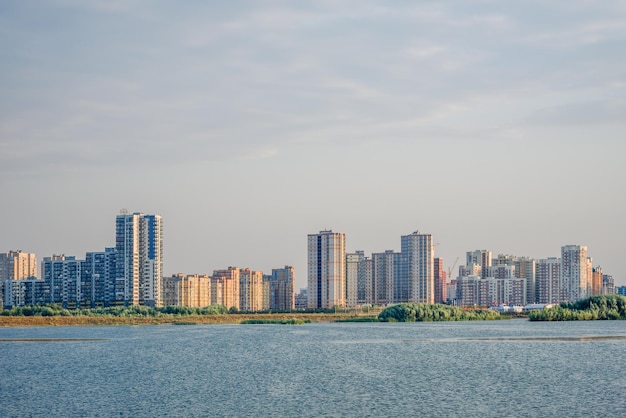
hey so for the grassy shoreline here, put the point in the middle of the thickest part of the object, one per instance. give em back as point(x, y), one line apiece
point(25, 321)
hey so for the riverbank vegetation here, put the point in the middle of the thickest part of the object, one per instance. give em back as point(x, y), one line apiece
point(423, 312)
point(115, 311)
point(55, 315)
point(593, 308)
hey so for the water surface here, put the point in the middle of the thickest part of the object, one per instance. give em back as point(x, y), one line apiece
point(495, 368)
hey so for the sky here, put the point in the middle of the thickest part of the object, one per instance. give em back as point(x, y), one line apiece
point(248, 125)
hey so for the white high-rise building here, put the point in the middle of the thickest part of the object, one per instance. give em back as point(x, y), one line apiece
point(139, 264)
point(575, 269)
point(326, 270)
point(416, 279)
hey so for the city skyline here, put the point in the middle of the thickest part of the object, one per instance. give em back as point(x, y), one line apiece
point(131, 274)
point(145, 256)
point(247, 126)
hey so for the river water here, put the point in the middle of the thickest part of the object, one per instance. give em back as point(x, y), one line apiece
point(486, 369)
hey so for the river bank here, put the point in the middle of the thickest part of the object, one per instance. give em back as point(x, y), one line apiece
point(24, 321)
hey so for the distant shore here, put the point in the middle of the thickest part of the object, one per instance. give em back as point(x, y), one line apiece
point(38, 321)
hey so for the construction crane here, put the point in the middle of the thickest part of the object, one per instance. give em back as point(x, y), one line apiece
point(452, 268)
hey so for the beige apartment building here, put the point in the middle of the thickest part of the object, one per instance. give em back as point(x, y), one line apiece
point(17, 265)
point(192, 290)
point(251, 290)
point(225, 287)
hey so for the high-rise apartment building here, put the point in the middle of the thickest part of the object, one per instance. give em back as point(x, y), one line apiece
point(548, 280)
point(474, 291)
point(17, 265)
point(366, 287)
point(251, 290)
point(386, 270)
point(524, 269)
point(192, 290)
point(482, 258)
point(575, 273)
point(608, 285)
point(596, 281)
point(352, 277)
point(139, 247)
point(451, 292)
point(63, 275)
point(281, 291)
point(99, 277)
point(491, 291)
point(416, 279)
point(225, 287)
point(440, 281)
point(326, 270)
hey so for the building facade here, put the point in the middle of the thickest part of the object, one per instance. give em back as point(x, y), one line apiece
point(352, 277)
point(386, 268)
point(281, 289)
point(548, 281)
point(575, 273)
point(64, 276)
point(524, 269)
point(17, 265)
point(608, 285)
point(440, 281)
point(25, 292)
point(99, 278)
point(481, 258)
point(192, 290)
point(416, 278)
point(596, 281)
point(225, 288)
point(139, 247)
point(366, 286)
point(251, 291)
point(491, 291)
point(326, 270)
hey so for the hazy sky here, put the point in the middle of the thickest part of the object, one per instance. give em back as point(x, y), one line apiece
point(248, 125)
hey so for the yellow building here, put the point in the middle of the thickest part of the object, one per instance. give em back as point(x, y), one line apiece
point(251, 291)
point(17, 265)
point(192, 290)
point(225, 287)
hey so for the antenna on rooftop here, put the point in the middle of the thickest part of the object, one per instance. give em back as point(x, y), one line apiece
point(123, 211)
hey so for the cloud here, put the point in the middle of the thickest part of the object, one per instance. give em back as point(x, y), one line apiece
point(596, 112)
point(181, 84)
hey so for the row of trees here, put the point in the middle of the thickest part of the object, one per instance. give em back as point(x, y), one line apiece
point(142, 311)
point(595, 307)
point(119, 311)
point(422, 312)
